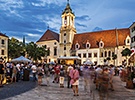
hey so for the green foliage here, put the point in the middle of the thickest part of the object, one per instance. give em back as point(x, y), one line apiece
point(105, 60)
point(108, 58)
point(126, 52)
point(114, 56)
point(15, 48)
point(35, 52)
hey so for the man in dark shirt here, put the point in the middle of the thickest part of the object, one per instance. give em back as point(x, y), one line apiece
point(1, 72)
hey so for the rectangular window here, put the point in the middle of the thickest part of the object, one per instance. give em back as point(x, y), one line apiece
point(134, 39)
point(55, 51)
point(2, 42)
point(79, 55)
point(84, 55)
point(95, 54)
point(101, 55)
point(89, 54)
point(2, 52)
point(112, 54)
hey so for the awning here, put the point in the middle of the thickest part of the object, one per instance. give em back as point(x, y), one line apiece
point(71, 57)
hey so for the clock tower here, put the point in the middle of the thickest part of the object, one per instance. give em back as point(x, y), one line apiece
point(67, 31)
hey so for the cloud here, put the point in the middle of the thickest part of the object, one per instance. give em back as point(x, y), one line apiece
point(83, 18)
point(11, 6)
point(29, 17)
point(97, 29)
point(48, 3)
point(81, 25)
point(33, 35)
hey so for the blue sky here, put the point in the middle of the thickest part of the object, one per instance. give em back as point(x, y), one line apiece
point(30, 18)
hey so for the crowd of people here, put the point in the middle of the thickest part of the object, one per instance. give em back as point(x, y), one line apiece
point(100, 76)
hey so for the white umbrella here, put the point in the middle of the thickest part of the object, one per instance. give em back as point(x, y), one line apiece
point(88, 62)
point(21, 59)
point(52, 62)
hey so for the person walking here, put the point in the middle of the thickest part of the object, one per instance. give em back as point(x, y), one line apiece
point(14, 74)
point(68, 76)
point(47, 71)
point(40, 72)
point(111, 74)
point(62, 77)
point(1, 72)
point(56, 75)
point(34, 72)
point(86, 78)
point(74, 74)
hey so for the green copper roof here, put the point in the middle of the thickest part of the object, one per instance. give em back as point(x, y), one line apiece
point(67, 9)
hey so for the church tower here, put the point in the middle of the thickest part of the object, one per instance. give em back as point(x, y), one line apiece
point(67, 31)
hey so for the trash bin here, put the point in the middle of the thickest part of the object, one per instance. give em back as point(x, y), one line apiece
point(26, 74)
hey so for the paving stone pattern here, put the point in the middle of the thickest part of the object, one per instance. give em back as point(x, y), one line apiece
point(29, 90)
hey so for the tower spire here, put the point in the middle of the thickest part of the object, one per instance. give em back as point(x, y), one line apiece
point(67, 1)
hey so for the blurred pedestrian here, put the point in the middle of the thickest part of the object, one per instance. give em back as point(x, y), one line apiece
point(47, 71)
point(68, 76)
point(34, 72)
point(62, 77)
point(74, 74)
point(14, 73)
point(40, 72)
point(86, 78)
point(111, 74)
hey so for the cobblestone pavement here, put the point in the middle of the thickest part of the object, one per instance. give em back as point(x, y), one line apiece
point(28, 90)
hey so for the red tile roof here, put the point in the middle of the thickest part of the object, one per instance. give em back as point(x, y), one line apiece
point(49, 35)
point(107, 36)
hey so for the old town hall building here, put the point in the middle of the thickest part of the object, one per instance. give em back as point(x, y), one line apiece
point(99, 47)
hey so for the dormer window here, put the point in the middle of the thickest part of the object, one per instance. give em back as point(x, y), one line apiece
point(87, 45)
point(101, 44)
point(55, 43)
point(77, 46)
point(127, 42)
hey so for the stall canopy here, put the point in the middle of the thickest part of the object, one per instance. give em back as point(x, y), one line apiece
point(88, 62)
point(21, 59)
point(52, 63)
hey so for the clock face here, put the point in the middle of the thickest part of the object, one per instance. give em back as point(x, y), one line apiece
point(65, 22)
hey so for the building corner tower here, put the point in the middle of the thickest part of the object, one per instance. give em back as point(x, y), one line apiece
point(67, 31)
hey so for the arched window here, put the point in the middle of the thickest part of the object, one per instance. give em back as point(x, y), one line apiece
point(55, 51)
point(101, 44)
point(128, 40)
point(105, 53)
point(77, 46)
point(87, 45)
point(109, 54)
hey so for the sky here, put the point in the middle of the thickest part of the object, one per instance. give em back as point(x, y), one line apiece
point(31, 18)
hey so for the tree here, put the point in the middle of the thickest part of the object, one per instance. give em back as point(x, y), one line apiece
point(126, 52)
point(35, 52)
point(15, 48)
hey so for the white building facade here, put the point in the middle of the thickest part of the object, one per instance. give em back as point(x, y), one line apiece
point(94, 46)
point(4, 46)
